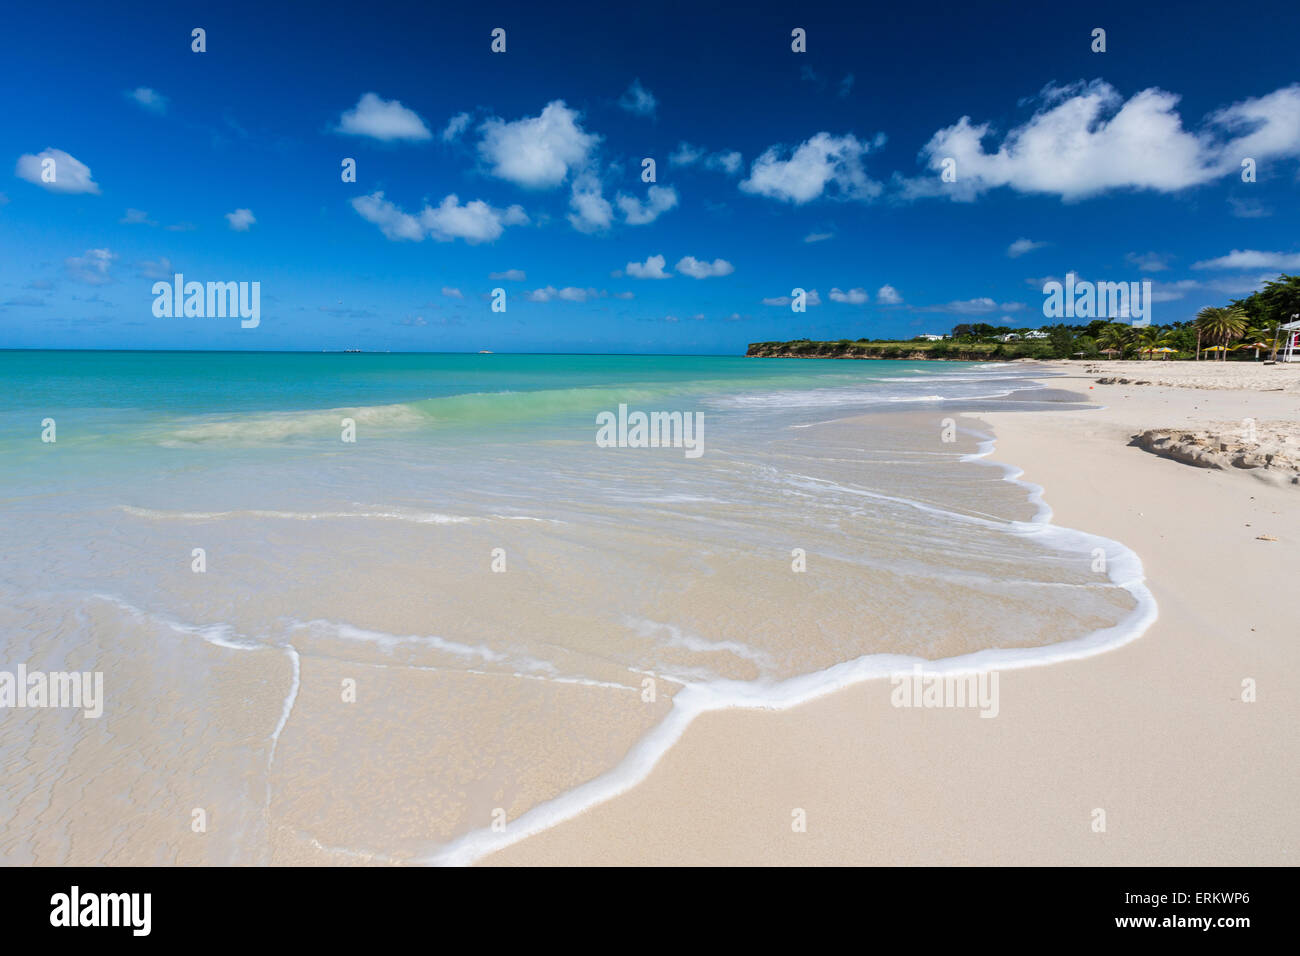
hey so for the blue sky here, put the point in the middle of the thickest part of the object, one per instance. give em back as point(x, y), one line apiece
point(774, 169)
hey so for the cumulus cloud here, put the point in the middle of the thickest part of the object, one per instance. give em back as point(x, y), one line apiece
point(392, 222)
point(652, 268)
point(510, 275)
point(824, 164)
point(852, 296)
point(386, 120)
point(452, 293)
point(696, 269)
point(474, 221)
point(455, 126)
point(727, 161)
point(638, 100)
point(1022, 246)
point(69, 174)
point(136, 217)
point(1252, 259)
point(151, 100)
point(537, 152)
point(592, 212)
point(567, 294)
point(241, 219)
point(659, 199)
point(888, 295)
point(1086, 139)
point(91, 268)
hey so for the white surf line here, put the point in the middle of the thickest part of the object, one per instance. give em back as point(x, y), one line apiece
point(1124, 568)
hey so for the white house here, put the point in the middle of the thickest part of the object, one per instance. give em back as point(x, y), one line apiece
point(1008, 337)
point(931, 337)
point(1036, 334)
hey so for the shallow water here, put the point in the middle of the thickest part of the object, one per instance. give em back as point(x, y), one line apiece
point(471, 609)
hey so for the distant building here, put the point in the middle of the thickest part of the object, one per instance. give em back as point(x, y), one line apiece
point(931, 337)
point(1036, 334)
point(1008, 337)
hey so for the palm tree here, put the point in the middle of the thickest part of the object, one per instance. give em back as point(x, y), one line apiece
point(1222, 324)
point(1113, 336)
point(1151, 338)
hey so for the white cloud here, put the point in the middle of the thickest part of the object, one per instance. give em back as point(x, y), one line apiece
point(978, 306)
point(816, 164)
point(852, 296)
point(811, 298)
point(452, 293)
point(392, 222)
point(241, 219)
point(624, 295)
point(474, 222)
point(1268, 126)
point(659, 199)
point(696, 269)
point(136, 217)
point(455, 126)
point(91, 268)
point(727, 161)
point(1022, 246)
point(567, 294)
point(386, 120)
point(537, 152)
point(888, 295)
point(818, 236)
point(160, 269)
point(1172, 291)
point(151, 100)
point(510, 275)
point(652, 268)
point(685, 155)
point(1252, 259)
point(70, 174)
point(1086, 139)
point(1149, 261)
point(638, 100)
point(591, 210)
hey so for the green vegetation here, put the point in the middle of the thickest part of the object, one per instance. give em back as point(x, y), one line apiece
point(1247, 328)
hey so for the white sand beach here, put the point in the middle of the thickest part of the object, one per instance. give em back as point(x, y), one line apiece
point(1155, 733)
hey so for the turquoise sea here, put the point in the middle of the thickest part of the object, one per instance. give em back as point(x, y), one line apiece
point(353, 605)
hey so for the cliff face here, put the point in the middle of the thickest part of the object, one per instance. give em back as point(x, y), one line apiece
point(855, 350)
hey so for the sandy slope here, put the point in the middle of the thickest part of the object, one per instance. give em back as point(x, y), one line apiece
point(1154, 733)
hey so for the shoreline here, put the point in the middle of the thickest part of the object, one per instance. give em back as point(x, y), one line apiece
point(724, 791)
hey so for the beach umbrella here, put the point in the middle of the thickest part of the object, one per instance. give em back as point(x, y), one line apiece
point(1164, 351)
point(1111, 352)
